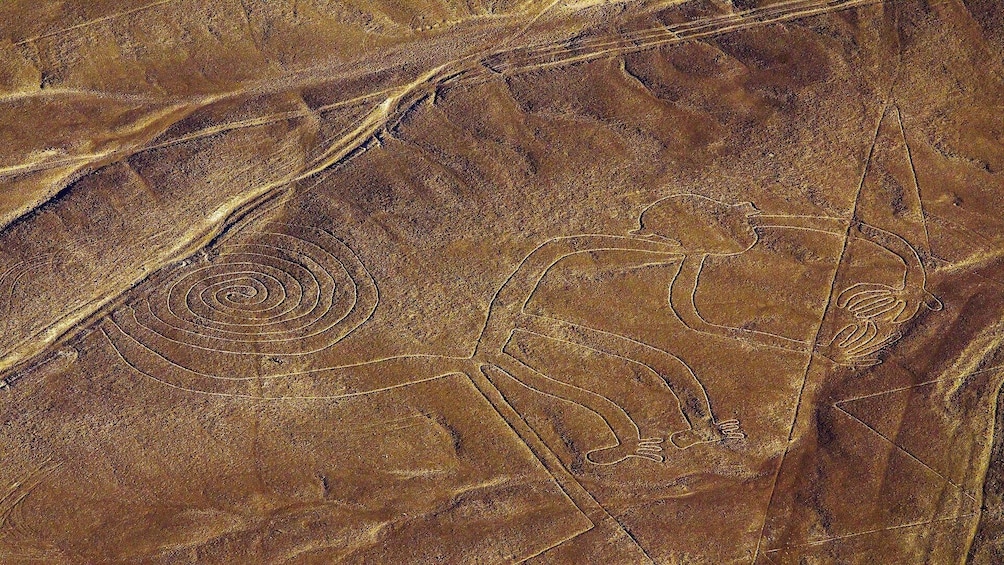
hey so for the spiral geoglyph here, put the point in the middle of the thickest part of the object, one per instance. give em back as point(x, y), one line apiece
point(289, 290)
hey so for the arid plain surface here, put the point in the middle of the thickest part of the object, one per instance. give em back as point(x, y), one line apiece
point(401, 281)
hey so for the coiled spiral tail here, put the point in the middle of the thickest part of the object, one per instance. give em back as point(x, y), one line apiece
point(215, 326)
point(288, 292)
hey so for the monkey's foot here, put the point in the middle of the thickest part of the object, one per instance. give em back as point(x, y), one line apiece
point(646, 448)
point(724, 431)
point(730, 430)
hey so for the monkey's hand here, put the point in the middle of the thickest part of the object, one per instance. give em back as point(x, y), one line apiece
point(876, 302)
point(858, 344)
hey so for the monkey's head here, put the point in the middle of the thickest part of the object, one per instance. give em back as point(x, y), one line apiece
point(700, 224)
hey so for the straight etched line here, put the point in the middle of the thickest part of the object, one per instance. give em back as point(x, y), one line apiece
point(547, 457)
point(546, 465)
point(92, 22)
point(819, 327)
point(916, 182)
point(875, 531)
point(911, 455)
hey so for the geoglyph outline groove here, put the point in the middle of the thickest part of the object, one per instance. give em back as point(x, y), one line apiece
point(273, 293)
point(263, 294)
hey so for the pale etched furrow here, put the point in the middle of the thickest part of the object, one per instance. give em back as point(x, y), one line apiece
point(93, 22)
point(273, 293)
point(89, 159)
point(561, 53)
point(564, 54)
point(400, 101)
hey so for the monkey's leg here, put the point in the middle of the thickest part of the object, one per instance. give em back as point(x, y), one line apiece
point(629, 442)
point(672, 371)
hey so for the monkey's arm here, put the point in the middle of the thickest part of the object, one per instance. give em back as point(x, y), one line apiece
point(870, 300)
point(854, 229)
point(672, 370)
point(880, 302)
point(825, 224)
point(915, 275)
point(681, 298)
point(508, 303)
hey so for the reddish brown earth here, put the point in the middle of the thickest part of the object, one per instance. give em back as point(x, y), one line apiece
point(547, 282)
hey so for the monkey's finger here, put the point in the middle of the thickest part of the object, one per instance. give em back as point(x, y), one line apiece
point(881, 314)
point(856, 334)
point(851, 301)
point(870, 303)
point(871, 330)
point(879, 309)
point(898, 317)
point(855, 290)
point(841, 336)
point(866, 362)
point(856, 299)
point(870, 348)
point(865, 334)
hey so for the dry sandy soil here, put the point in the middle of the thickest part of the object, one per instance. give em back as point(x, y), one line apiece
point(390, 281)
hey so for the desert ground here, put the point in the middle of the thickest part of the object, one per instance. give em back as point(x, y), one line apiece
point(559, 281)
